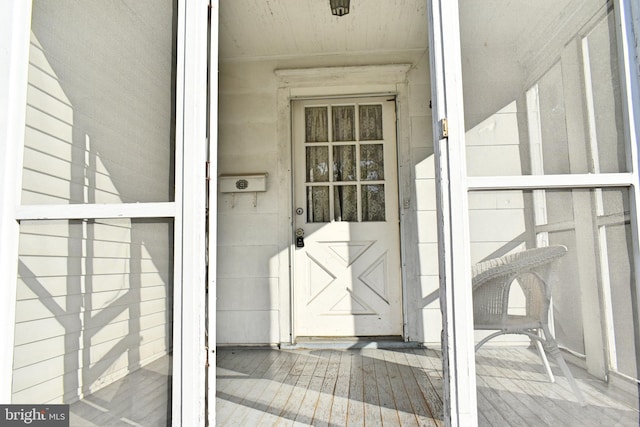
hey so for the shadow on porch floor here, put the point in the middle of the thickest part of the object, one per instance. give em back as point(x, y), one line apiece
point(400, 387)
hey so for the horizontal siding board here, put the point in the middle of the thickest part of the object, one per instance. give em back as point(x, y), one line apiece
point(424, 163)
point(247, 229)
point(49, 124)
point(31, 353)
point(248, 261)
point(43, 78)
point(64, 285)
point(130, 342)
point(496, 225)
point(37, 330)
point(248, 327)
point(247, 137)
point(425, 195)
point(104, 359)
point(40, 98)
point(493, 160)
point(33, 309)
point(43, 245)
point(481, 251)
point(30, 197)
point(46, 391)
point(427, 226)
point(238, 107)
point(503, 199)
point(36, 140)
point(48, 165)
point(422, 135)
point(428, 258)
point(247, 294)
point(35, 244)
point(115, 330)
point(70, 266)
point(429, 287)
point(38, 183)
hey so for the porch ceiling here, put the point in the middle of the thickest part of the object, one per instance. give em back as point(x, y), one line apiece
point(376, 31)
point(289, 29)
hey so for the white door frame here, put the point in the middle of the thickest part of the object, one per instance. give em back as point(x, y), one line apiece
point(188, 210)
point(329, 82)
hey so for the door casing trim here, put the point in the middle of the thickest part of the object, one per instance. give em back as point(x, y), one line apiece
point(333, 82)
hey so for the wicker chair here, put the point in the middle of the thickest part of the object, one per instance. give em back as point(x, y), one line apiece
point(492, 282)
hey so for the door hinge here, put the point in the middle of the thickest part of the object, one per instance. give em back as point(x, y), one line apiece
point(208, 170)
point(444, 128)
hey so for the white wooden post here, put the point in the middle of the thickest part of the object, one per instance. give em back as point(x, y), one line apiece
point(453, 225)
point(15, 17)
point(189, 365)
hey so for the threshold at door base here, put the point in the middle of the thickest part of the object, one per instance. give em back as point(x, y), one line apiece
point(348, 343)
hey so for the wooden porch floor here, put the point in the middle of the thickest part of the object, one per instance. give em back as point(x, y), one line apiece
point(401, 387)
point(362, 387)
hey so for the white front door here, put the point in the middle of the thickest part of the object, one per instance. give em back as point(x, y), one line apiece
point(347, 275)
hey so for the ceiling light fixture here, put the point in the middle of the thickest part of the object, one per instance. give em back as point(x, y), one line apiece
point(339, 7)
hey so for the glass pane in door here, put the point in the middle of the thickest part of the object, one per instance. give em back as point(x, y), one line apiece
point(100, 104)
point(316, 124)
point(94, 318)
point(318, 204)
point(317, 164)
point(370, 122)
point(343, 122)
point(344, 163)
point(372, 162)
point(345, 205)
point(373, 206)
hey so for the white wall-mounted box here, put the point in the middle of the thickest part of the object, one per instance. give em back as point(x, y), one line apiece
point(247, 183)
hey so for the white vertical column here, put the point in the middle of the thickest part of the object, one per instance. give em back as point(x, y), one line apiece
point(453, 225)
point(190, 353)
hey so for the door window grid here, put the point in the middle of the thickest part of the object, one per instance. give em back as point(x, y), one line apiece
point(338, 157)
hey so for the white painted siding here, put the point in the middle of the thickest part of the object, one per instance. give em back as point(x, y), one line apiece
point(248, 264)
point(93, 305)
point(94, 296)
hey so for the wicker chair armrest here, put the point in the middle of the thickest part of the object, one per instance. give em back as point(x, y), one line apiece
point(492, 281)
